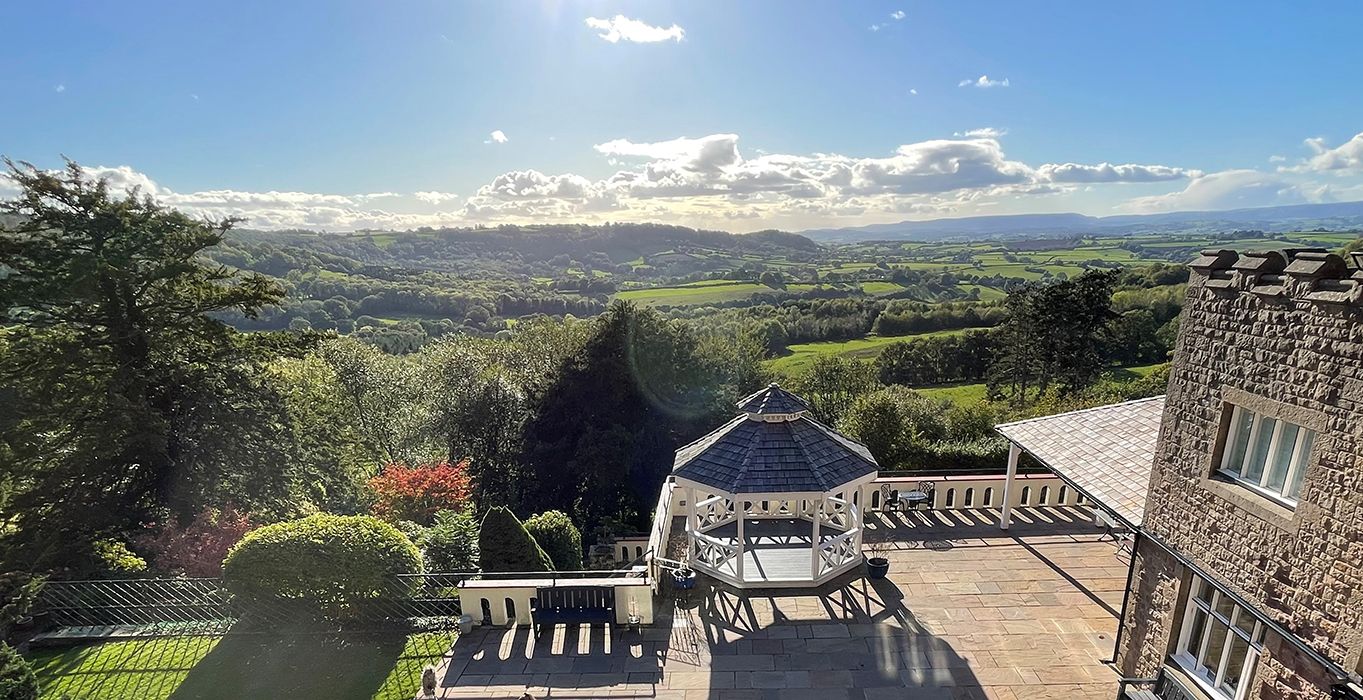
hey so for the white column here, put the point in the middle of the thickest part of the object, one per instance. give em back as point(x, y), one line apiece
point(690, 522)
point(814, 553)
point(1013, 453)
point(739, 511)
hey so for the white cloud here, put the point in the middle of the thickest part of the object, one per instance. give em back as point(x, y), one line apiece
point(59, 87)
point(497, 136)
point(434, 197)
point(1227, 189)
point(1277, 159)
point(1107, 172)
point(1345, 158)
point(897, 15)
point(913, 91)
point(987, 132)
point(875, 27)
point(983, 81)
point(621, 28)
point(705, 154)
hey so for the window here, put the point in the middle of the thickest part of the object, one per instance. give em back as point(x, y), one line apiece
point(1220, 641)
point(1266, 454)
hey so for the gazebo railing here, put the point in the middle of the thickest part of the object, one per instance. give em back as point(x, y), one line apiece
point(838, 551)
point(711, 551)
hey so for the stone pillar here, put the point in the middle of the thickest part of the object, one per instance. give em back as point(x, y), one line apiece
point(1013, 453)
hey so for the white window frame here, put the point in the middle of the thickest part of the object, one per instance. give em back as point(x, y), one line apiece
point(1191, 660)
point(1295, 467)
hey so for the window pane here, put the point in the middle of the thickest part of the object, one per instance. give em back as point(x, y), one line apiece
point(1216, 645)
point(1199, 623)
point(1254, 469)
point(1303, 459)
point(1243, 420)
point(1282, 457)
point(1224, 606)
point(1236, 660)
point(1202, 590)
point(1244, 621)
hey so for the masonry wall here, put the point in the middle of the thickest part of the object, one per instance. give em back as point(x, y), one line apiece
point(1282, 334)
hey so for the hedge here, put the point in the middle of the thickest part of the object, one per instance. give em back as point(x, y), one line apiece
point(505, 545)
point(331, 561)
point(17, 681)
point(560, 538)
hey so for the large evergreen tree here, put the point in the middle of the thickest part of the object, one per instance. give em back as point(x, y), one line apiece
point(602, 435)
point(129, 394)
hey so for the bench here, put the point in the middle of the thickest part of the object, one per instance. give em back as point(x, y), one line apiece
point(572, 605)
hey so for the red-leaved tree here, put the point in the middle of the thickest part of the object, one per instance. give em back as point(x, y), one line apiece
point(418, 493)
point(198, 547)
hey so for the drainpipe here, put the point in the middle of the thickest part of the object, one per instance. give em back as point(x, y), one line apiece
point(1126, 595)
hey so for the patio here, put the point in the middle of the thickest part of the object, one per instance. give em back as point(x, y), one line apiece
point(968, 611)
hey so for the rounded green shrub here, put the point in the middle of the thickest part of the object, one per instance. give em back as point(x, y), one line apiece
point(17, 681)
point(505, 545)
point(331, 561)
point(560, 538)
point(451, 542)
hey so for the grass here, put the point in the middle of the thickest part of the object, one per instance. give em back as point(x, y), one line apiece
point(379, 667)
point(955, 393)
point(803, 354)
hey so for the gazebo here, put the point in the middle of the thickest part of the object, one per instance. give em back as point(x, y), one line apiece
point(773, 497)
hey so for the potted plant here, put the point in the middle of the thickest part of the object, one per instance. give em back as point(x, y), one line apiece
point(877, 565)
point(684, 579)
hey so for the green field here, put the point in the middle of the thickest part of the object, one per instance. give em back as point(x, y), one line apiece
point(716, 291)
point(379, 667)
point(802, 354)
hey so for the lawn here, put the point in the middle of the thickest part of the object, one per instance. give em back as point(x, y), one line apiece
point(803, 354)
point(955, 393)
point(707, 292)
point(381, 667)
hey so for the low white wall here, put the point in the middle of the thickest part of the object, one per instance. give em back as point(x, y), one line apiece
point(632, 595)
point(971, 491)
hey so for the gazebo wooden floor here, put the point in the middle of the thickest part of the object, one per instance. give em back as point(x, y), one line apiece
point(776, 550)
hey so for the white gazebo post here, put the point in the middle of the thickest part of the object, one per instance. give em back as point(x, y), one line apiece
point(741, 512)
point(814, 555)
point(1013, 453)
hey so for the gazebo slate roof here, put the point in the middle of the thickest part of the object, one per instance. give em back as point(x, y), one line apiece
point(773, 400)
point(751, 455)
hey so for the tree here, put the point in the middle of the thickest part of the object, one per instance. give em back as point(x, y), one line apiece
point(418, 493)
point(602, 433)
point(896, 424)
point(127, 381)
point(451, 542)
point(505, 545)
point(832, 384)
point(198, 547)
point(559, 537)
point(1053, 336)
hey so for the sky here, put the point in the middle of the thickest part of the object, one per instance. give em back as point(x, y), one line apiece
point(736, 115)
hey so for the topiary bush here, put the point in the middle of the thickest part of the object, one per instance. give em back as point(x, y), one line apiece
point(505, 545)
point(560, 538)
point(17, 681)
point(332, 562)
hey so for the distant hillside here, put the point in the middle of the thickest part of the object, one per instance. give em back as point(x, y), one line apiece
point(1296, 217)
point(521, 250)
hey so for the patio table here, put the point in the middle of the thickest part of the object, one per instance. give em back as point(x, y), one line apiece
point(913, 499)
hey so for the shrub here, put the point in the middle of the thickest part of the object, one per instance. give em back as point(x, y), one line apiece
point(197, 548)
point(332, 561)
point(451, 542)
point(113, 558)
point(560, 538)
point(505, 545)
point(418, 493)
point(18, 592)
point(17, 681)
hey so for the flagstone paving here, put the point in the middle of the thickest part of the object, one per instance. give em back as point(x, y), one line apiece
point(968, 611)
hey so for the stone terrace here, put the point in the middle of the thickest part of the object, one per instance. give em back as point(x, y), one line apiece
point(968, 611)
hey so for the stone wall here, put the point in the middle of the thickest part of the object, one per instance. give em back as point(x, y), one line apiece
point(1281, 332)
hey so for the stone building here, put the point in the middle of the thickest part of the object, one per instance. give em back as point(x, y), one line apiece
point(1247, 580)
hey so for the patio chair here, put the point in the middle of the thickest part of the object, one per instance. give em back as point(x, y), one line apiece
point(926, 488)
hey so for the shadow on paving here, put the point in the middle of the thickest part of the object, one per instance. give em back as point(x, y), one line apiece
point(559, 662)
point(851, 638)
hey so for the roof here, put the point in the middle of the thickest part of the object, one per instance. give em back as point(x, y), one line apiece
point(755, 455)
point(773, 400)
point(1106, 452)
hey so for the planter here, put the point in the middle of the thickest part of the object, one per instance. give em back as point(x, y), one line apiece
point(877, 567)
point(684, 579)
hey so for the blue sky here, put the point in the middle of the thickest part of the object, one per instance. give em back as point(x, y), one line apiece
point(736, 115)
